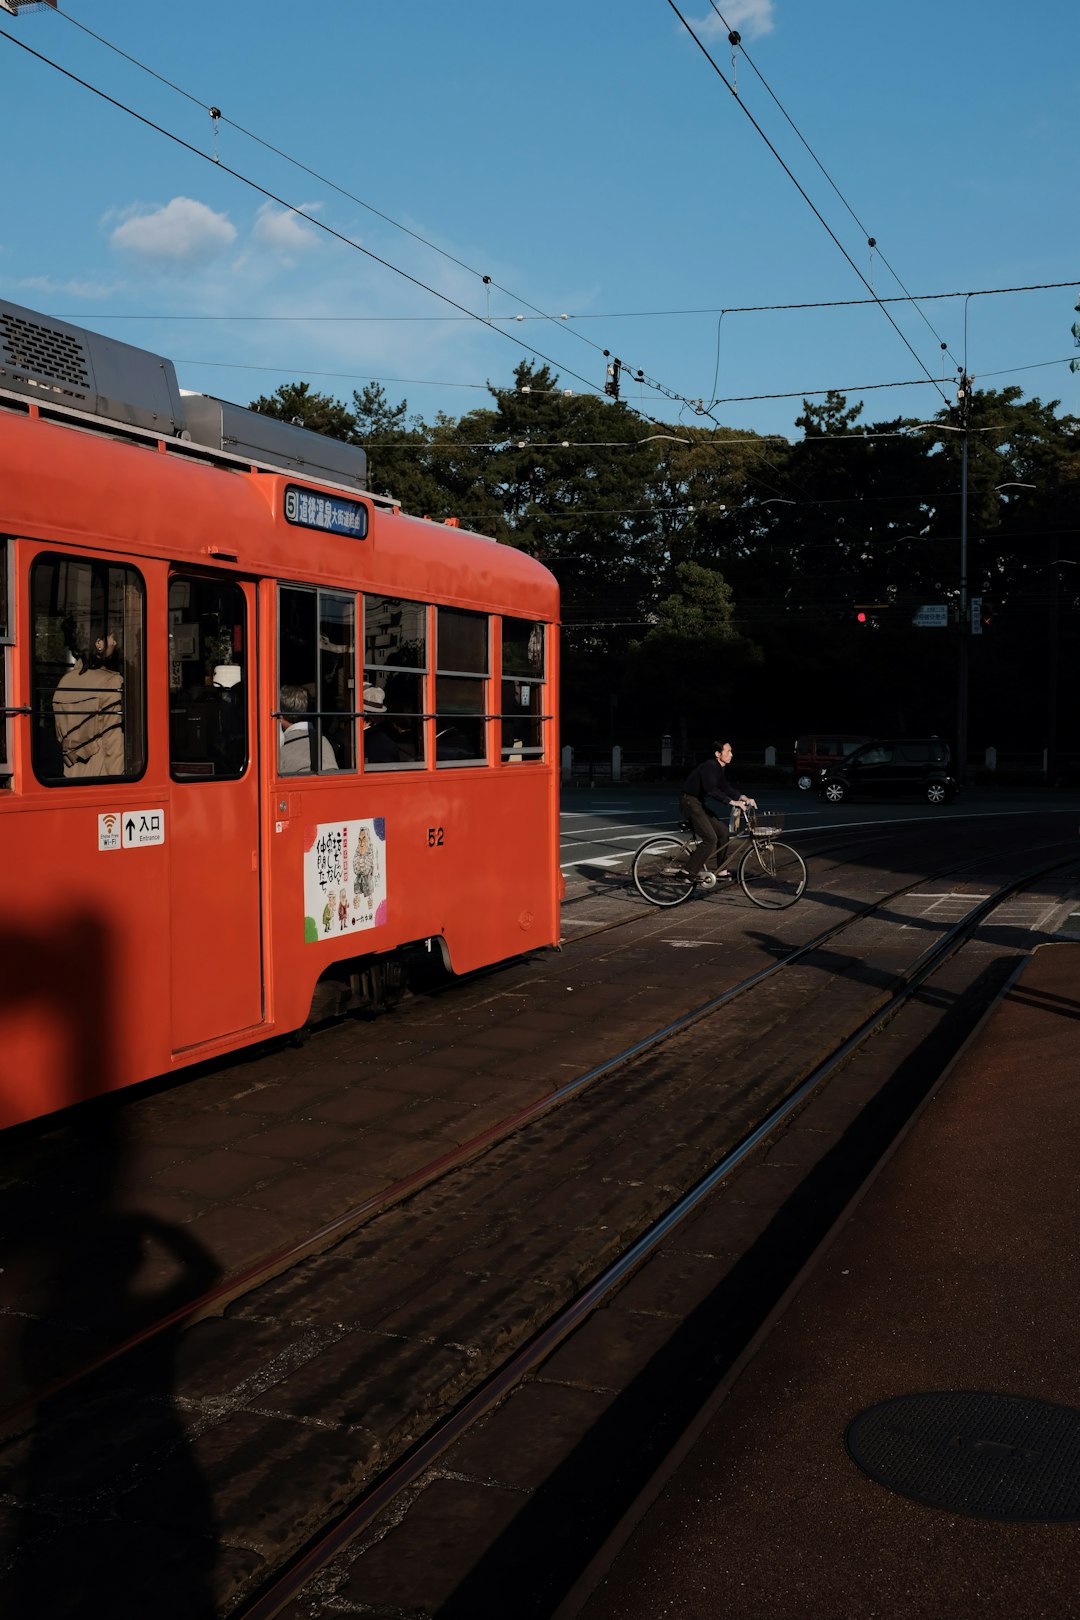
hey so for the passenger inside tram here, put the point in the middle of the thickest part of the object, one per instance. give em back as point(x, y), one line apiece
point(296, 742)
point(386, 736)
point(88, 706)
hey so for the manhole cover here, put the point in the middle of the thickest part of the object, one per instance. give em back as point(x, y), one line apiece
point(968, 1451)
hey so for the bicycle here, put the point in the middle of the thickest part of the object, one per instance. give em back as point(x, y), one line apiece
point(772, 874)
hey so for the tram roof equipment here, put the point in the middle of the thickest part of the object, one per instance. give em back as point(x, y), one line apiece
point(55, 364)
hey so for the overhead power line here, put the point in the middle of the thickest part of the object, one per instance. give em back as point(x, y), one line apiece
point(871, 241)
point(806, 198)
point(611, 315)
point(218, 117)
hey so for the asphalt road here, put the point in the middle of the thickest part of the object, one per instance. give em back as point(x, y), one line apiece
point(601, 827)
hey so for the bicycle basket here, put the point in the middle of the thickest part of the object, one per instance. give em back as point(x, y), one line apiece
point(765, 823)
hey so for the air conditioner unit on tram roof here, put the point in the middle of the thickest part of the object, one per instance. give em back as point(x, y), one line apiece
point(50, 362)
point(55, 364)
point(234, 429)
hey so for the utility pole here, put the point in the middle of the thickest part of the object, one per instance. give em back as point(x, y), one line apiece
point(963, 411)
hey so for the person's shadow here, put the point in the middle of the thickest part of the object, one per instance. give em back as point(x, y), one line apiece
point(108, 1513)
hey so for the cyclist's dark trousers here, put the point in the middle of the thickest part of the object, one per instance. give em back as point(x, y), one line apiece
point(712, 832)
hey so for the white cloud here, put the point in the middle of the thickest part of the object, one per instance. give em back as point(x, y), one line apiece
point(183, 232)
point(280, 230)
point(70, 288)
point(752, 17)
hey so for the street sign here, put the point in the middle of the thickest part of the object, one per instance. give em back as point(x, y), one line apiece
point(934, 616)
point(976, 615)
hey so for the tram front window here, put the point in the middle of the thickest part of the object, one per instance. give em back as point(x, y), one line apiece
point(88, 670)
point(207, 678)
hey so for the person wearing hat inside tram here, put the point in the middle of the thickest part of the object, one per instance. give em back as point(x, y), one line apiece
point(384, 741)
point(709, 781)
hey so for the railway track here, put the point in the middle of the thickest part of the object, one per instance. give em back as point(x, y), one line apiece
point(215, 1299)
point(409, 1474)
point(364, 1233)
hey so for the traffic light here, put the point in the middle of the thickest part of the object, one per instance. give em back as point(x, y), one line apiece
point(860, 615)
point(866, 612)
point(986, 617)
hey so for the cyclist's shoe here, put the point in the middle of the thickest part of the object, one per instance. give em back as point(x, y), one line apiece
point(674, 870)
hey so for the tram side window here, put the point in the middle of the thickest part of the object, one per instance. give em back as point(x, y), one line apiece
point(462, 668)
point(395, 664)
point(88, 670)
point(6, 638)
point(208, 678)
point(316, 681)
point(522, 690)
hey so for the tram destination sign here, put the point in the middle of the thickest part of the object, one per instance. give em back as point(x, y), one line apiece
point(331, 514)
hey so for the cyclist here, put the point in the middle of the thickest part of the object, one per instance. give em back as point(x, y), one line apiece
point(709, 781)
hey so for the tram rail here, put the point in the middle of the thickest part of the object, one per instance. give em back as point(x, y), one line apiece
point(216, 1299)
point(338, 1232)
point(406, 1474)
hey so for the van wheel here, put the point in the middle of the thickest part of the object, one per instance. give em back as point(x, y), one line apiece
point(804, 782)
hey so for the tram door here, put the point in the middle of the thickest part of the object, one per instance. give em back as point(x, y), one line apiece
point(214, 821)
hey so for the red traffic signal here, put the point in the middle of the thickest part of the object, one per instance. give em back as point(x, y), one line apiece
point(860, 616)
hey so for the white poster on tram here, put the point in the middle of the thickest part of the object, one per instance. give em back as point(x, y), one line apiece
point(344, 878)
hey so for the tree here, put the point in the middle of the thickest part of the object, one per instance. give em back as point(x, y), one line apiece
point(295, 402)
point(682, 675)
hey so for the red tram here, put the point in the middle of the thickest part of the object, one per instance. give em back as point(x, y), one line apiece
point(261, 734)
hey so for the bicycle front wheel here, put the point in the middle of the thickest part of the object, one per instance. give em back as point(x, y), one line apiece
point(772, 875)
point(659, 871)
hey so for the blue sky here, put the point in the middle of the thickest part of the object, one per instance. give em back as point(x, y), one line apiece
point(586, 157)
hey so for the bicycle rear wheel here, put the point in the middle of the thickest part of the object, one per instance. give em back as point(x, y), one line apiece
point(659, 871)
point(772, 875)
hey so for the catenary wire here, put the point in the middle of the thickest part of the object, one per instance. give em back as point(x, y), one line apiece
point(873, 244)
point(488, 281)
point(619, 314)
point(308, 219)
point(816, 211)
point(564, 393)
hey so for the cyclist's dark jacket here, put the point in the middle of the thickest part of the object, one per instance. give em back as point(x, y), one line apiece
point(709, 781)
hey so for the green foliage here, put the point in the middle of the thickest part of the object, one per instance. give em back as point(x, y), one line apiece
point(295, 402)
point(708, 575)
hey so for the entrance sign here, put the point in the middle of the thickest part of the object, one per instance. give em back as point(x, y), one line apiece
point(142, 827)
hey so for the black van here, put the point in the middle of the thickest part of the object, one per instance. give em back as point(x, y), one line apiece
point(892, 767)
